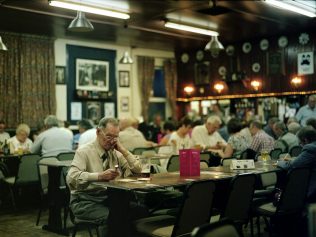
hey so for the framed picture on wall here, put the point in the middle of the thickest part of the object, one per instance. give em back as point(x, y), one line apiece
point(60, 75)
point(202, 73)
point(124, 104)
point(93, 111)
point(92, 75)
point(124, 79)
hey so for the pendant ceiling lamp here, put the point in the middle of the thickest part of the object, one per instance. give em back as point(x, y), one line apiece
point(126, 59)
point(2, 45)
point(80, 23)
point(214, 46)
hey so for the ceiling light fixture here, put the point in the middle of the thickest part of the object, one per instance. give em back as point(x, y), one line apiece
point(299, 7)
point(80, 23)
point(126, 59)
point(214, 46)
point(191, 29)
point(2, 45)
point(89, 9)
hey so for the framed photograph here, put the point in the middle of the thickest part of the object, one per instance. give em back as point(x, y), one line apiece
point(60, 75)
point(93, 111)
point(124, 80)
point(109, 110)
point(124, 104)
point(92, 75)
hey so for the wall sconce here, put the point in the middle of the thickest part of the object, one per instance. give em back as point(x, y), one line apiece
point(188, 90)
point(219, 87)
point(296, 82)
point(255, 84)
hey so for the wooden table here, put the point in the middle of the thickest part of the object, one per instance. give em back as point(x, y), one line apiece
point(55, 195)
point(121, 190)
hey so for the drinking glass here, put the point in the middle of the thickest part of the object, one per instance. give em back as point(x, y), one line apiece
point(145, 164)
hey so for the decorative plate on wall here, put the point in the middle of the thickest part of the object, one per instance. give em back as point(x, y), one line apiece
point(246, 47)
point(199, 55)
point(264, 44)
point(256, 67)
point(184, 58)
point(282, 42)
point(304, 38)
point(230, 50)
point(222, 71)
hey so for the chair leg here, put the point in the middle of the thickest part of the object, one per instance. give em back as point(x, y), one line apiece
point(97, 230)
point(74, 232)
point(258, 226)
point(65, 217)
point(90, 232)
point(12, 198)
point(38, 216)
point(268, 225)
point(251, 227)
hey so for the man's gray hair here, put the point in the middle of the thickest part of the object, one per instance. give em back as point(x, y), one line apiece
point(280, 125)
point(51, 121)
point(104, 122)
point(213, 119)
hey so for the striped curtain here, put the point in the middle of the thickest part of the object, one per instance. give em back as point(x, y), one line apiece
point(146, 71)
point(171, 78)
point(27, 79)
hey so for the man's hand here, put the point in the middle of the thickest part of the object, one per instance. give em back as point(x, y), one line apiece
point(120, 148)
point(107, 175)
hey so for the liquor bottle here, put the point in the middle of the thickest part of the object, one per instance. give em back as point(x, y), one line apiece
point(5, 148)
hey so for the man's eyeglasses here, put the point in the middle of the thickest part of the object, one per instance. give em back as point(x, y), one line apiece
point(107, 137)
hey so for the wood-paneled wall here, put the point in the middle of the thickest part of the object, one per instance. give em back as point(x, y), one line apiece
point(274, 79)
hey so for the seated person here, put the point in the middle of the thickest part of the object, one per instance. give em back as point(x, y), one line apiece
point(236, 143)
point(3, 134)
point(96, 161)
point(261, 140)
point(285, 140)
point(20, 143)
point(130, 137)
point(168, 128)
point(307, 137)
point(83, 125)
point(180, 139)
point(53, 140)
point(206, 136)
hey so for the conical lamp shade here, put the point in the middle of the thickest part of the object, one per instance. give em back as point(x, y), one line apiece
point(214, 45)
point(80, 23)
point(126, 59)
point(2, 45)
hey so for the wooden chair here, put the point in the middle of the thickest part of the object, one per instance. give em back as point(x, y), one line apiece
point(295, 151)
point(222, 228)
point(27, 175)
point(194, 211)
point(274, 154)
point(173, 163)
point(292, 198)
point(65, 156)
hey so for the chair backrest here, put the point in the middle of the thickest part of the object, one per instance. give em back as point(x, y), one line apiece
point(295, 151)
point(43, 173)
point(227, 161)
point(173, 163)
point(165, 150)
point(66, 156)
point(203, 164)
point(196, 207)
point(222, 228)
point(28, 172)
point(205, 156)
point(293, 195)
point(240, 197)
point(140, 150)
point(268, 179)
point(274, 154)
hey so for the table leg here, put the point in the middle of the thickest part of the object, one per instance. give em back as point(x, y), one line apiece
point(119, 217)
point(55, 202)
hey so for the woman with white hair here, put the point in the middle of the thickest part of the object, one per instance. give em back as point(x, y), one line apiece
point(20, 143)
